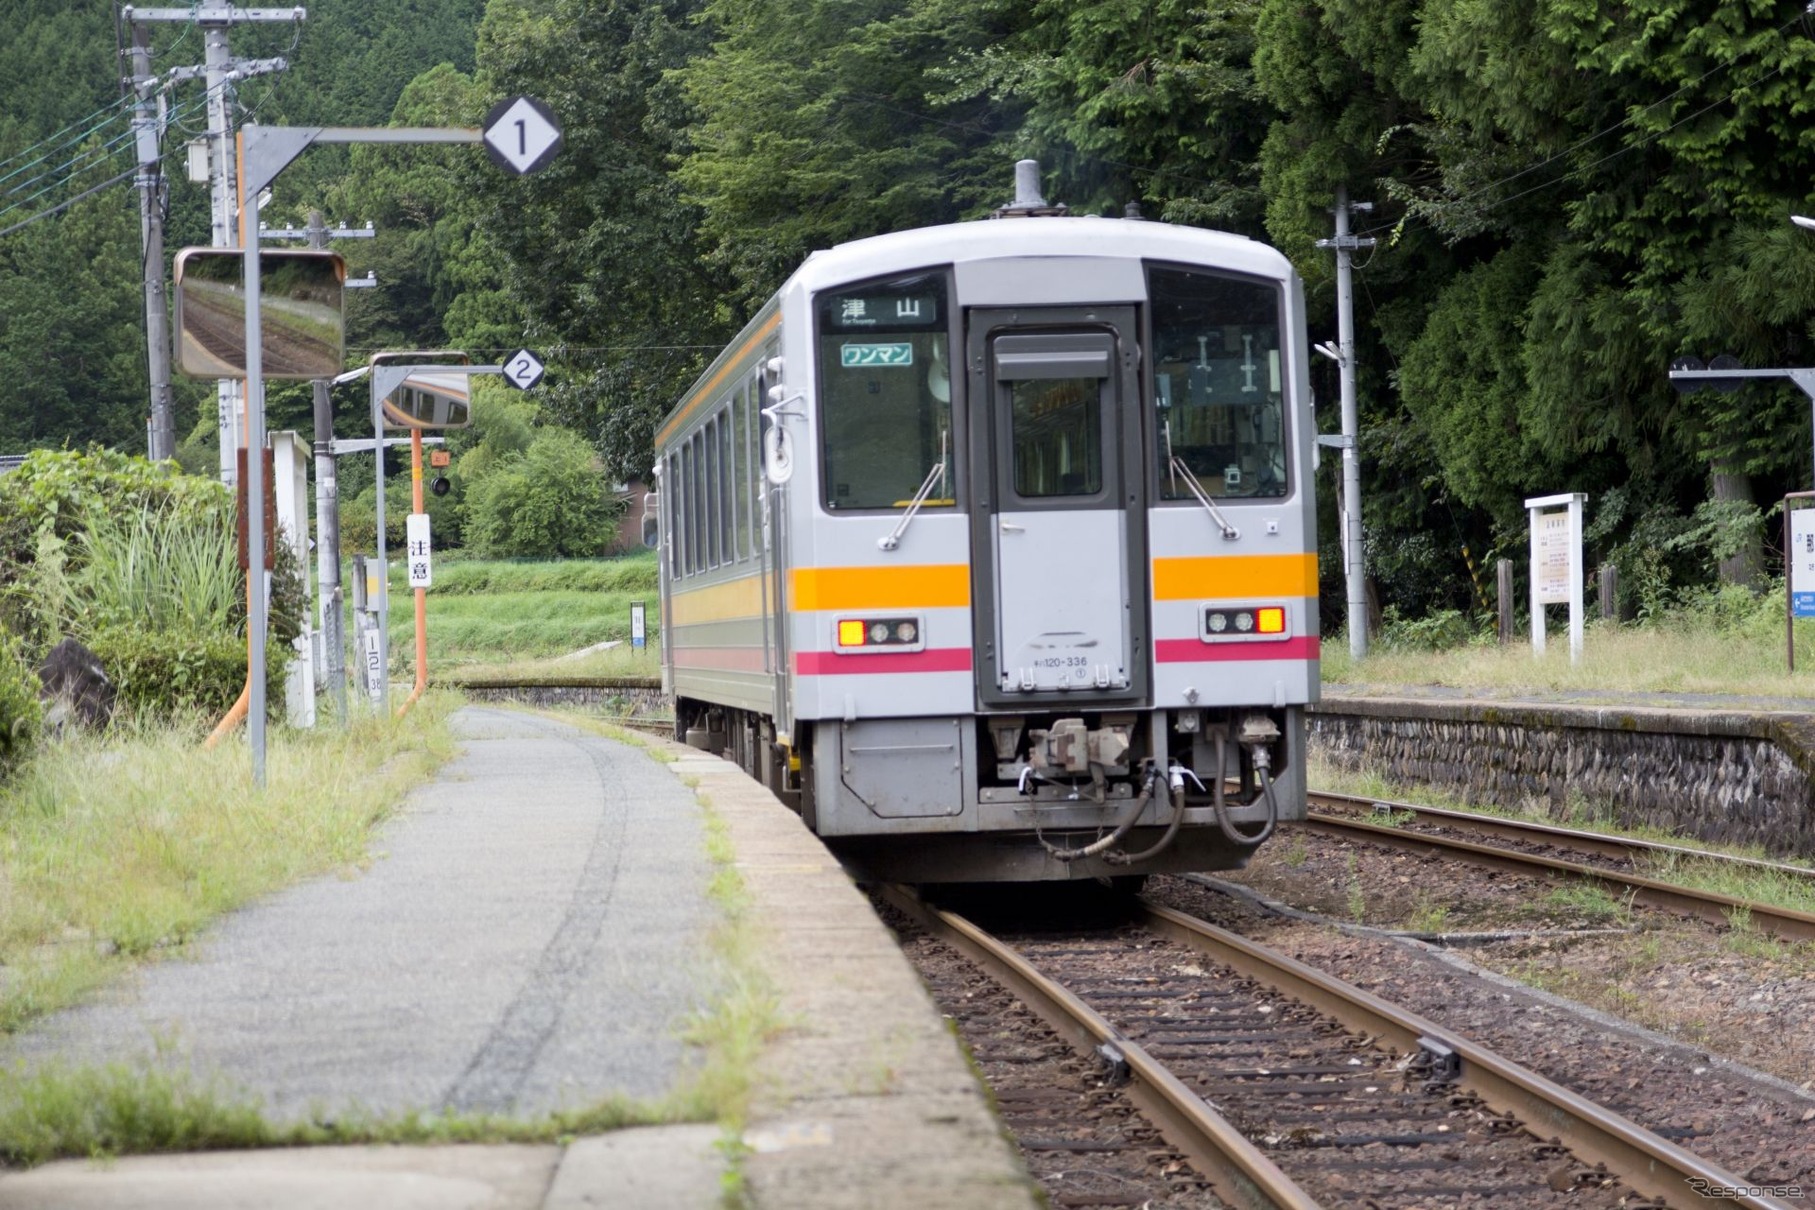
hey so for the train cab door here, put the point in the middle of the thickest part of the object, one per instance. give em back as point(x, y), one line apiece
point(1059, 538)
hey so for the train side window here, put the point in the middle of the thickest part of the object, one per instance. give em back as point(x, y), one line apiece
point(710, 483)
point(740, 441)
point(696, 533)
point(884, 390)
point(683, 512)
point(1219, 393)
point(671, 484)
point(726, 487)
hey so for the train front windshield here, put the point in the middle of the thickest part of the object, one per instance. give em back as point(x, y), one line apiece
point(885, 392)
point(1218, 386)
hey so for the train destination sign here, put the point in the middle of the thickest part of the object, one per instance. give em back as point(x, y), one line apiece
point(521, 135)
point(901, 354)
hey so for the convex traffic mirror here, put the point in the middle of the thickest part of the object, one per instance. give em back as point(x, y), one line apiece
point(429, 399)
point(301, 320)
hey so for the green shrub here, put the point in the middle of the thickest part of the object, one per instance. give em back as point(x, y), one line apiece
point(20, 712)
point(179, 672)
point(1440, 630)
point(549, 502)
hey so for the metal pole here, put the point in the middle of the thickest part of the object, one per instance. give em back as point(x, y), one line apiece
point(255, 489)
point(219, 63)
point(1351, 426)
point(330, 597)
point(422, 594)
point(382, 611)
point(161, 439)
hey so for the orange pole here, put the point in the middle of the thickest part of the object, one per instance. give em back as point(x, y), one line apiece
point(422, 594)
point(236, 713)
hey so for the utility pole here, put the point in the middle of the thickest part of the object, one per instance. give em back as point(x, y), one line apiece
point(330, 599)
point(1352, 550)
point(220, 71)
point(147, 125)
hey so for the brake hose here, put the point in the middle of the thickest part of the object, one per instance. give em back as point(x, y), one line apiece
point(1261, 765)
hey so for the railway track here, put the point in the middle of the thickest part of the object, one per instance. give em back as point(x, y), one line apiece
point(1282, 1086)
point(1431, 828)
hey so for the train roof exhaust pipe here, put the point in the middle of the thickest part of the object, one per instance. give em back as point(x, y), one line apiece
point(1028, 203)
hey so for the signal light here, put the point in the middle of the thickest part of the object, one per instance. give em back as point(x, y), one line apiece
point(1270, 620)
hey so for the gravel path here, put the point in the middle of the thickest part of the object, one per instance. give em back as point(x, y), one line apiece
point(525, 939)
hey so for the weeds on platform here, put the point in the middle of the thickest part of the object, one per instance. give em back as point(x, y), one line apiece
point(1717, 641)
point(120, 846)
point(57, 1111)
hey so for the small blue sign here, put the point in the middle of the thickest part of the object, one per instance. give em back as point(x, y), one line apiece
point(876, 355)
point(1802, 604)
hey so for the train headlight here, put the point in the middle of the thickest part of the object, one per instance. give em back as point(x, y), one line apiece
point(1244, 621)
point(1218, 621)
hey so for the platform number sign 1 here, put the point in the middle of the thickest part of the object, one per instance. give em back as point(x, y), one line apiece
point(524, 369)
point(416, 536)
point(521, 136)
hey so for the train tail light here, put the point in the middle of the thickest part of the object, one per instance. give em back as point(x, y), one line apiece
point(1235, 623)
point(878, 634)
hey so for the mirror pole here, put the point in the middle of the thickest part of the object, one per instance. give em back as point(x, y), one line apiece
point(384, 584)
point(255, 492)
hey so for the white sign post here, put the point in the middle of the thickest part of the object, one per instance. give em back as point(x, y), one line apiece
point(1556, 564)
point(416, 537)
point(639, 633)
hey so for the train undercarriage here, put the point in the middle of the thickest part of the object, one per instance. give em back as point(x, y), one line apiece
point(1026, 796)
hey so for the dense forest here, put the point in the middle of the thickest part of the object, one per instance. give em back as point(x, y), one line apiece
point(1566, 195)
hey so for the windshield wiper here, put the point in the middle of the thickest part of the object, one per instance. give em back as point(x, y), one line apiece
point(936, 475)
point(1179, 469)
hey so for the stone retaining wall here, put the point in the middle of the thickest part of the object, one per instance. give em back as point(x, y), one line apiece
point(639, 697)
point(1726, 776)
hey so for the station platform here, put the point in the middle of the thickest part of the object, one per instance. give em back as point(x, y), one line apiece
point(534, 933)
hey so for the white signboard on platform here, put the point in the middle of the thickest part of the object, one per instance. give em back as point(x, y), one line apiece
point(1550, 556)
point(1556, 564)
point(1801, 560)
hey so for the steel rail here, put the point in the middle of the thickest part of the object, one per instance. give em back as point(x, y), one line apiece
point(1627, 847)
point(1707, 905)
point(1240, 1172)
point(1646, 1163)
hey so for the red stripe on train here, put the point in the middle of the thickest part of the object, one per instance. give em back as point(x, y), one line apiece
point(830, 663)
point(741, 659)
point(1196, 651)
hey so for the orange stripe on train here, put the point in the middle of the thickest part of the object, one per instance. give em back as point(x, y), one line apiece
point(1231, 577)
point(926, 586)
point(739, 598)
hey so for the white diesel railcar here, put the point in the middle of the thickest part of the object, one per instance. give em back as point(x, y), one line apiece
point(991, 547)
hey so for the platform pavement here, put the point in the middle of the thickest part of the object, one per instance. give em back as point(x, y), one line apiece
point(864, 1101)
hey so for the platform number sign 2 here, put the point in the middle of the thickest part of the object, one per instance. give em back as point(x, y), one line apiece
point(521, 135)
point(523, 369)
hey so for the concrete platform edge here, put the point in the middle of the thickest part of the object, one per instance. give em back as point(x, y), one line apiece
point(866, 1099)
